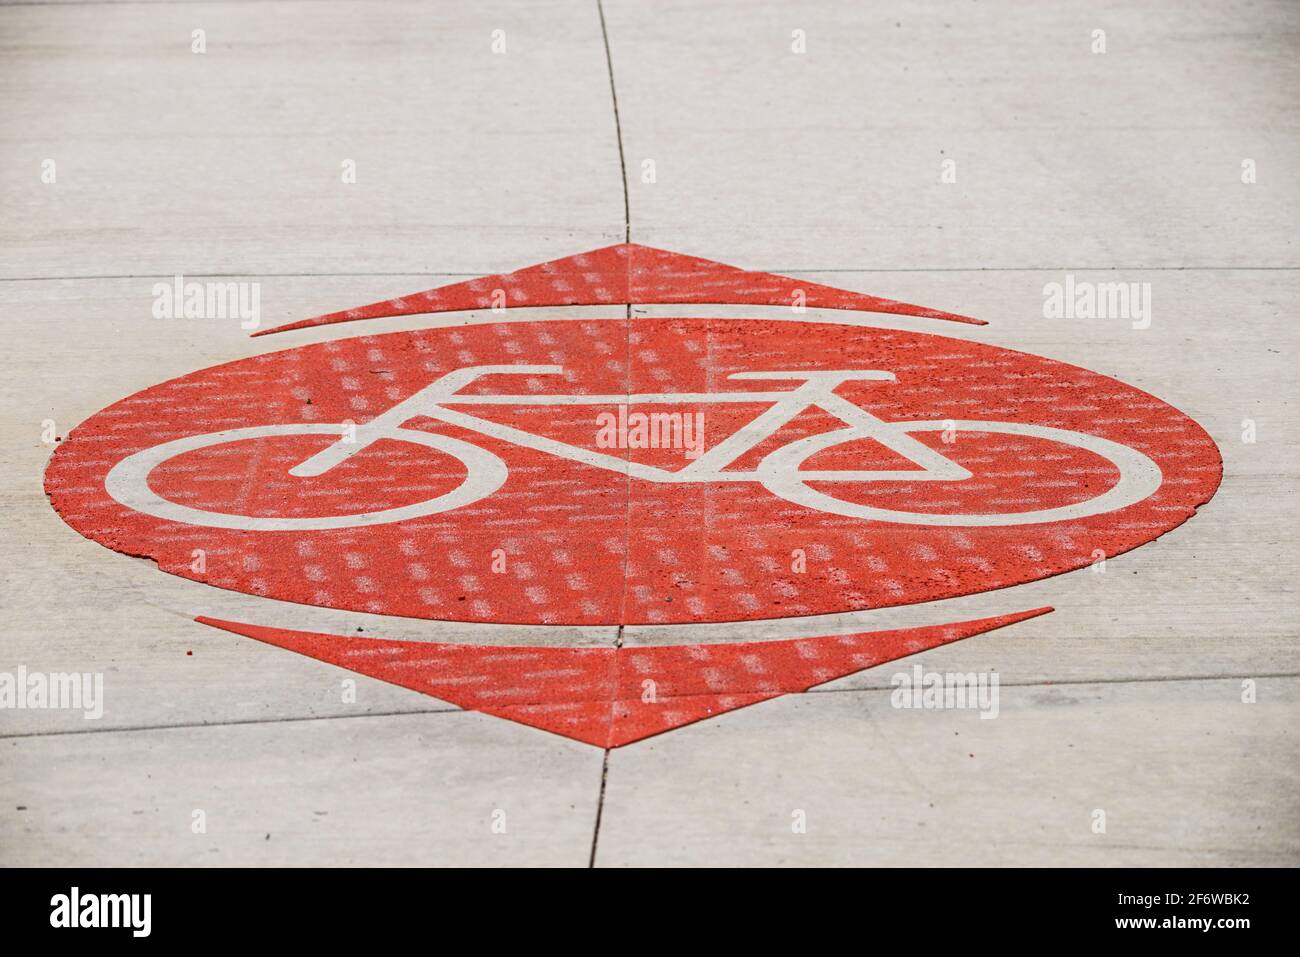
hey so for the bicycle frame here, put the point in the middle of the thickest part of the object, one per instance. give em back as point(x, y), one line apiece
point(780, 471)
point(817, 391)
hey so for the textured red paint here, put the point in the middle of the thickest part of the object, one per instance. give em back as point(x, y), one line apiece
point(598, 695)
point(586, 544)
point(625, 274)
point(589, 546)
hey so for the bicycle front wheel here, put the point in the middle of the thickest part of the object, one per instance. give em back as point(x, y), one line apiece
point(128, 481)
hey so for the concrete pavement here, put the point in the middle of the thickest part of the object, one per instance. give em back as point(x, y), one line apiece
point(827, 165)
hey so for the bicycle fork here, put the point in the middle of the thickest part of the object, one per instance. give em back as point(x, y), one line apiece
point(387, 425)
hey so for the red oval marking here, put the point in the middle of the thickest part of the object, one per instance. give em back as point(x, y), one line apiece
point(586, 544)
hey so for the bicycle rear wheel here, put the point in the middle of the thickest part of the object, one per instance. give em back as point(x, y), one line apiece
point(780, 474)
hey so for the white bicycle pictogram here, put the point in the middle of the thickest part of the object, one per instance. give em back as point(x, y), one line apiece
point(779, 471)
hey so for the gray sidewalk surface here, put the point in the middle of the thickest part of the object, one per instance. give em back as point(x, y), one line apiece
point(825, 164)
